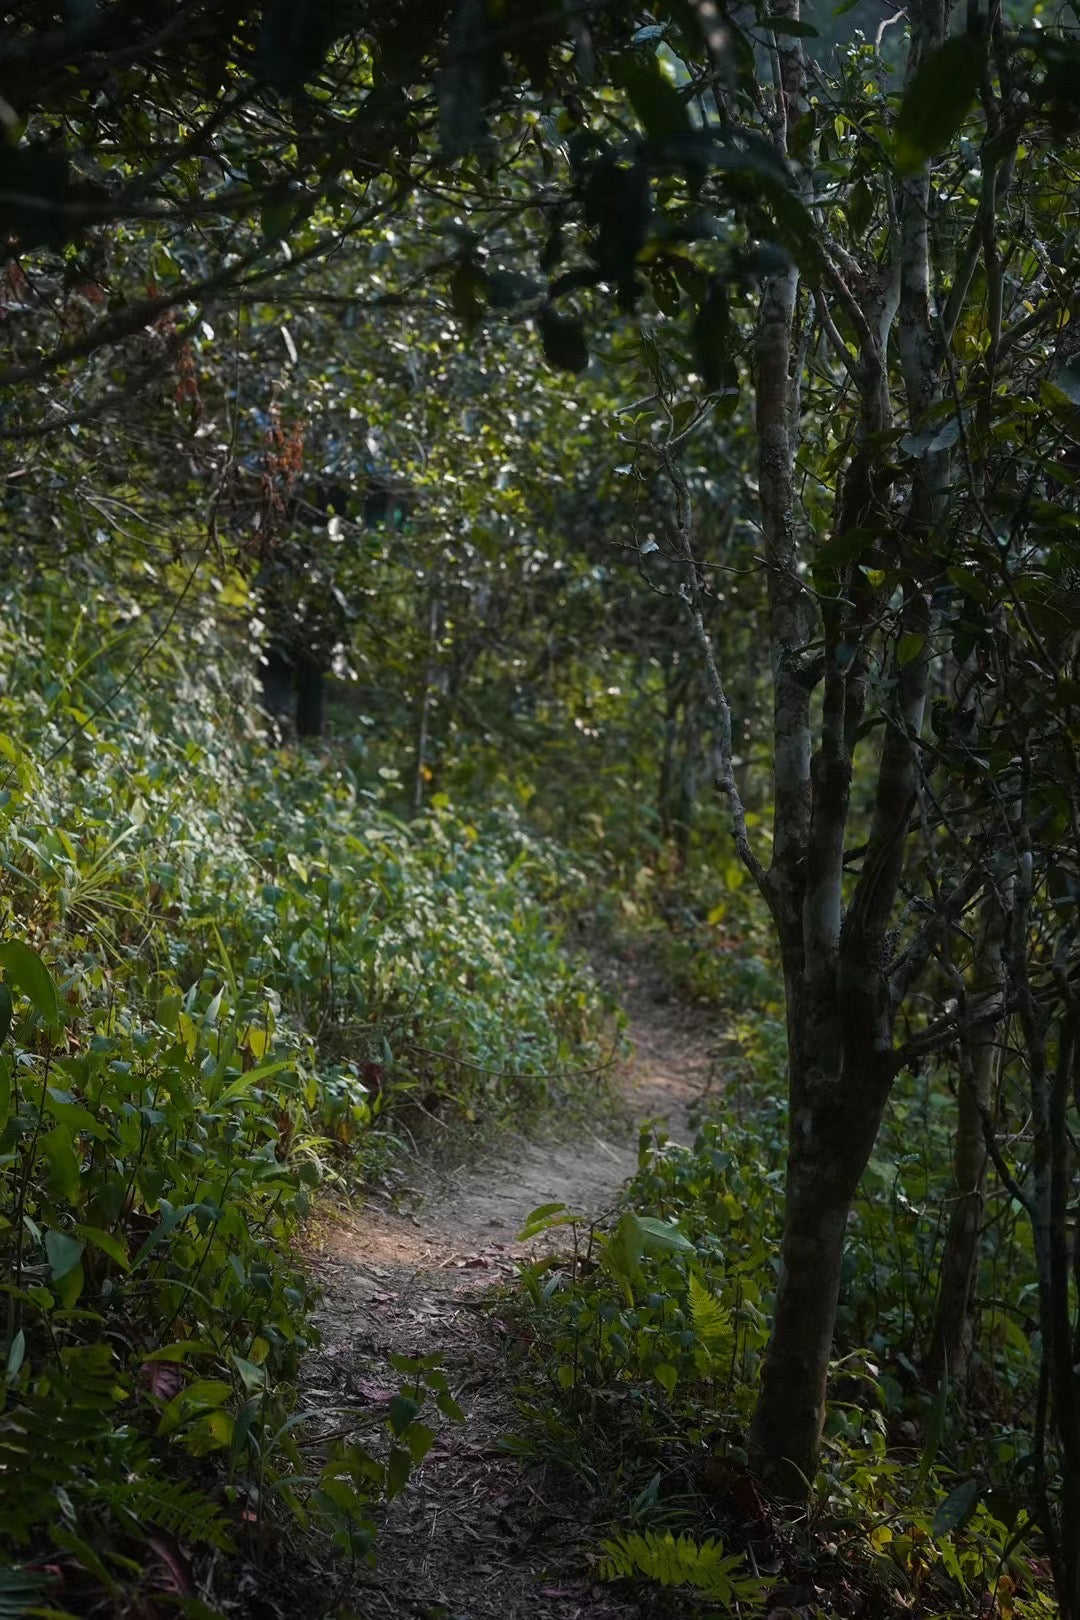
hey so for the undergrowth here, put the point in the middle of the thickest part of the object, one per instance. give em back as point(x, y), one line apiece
point(230, 977)
point(642, 1345)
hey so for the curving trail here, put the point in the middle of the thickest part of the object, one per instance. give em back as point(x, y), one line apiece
point(476, 1536)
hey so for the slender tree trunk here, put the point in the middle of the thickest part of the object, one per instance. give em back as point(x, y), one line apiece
point(310, 697)
point(424, 703)
point(836, 1112)
point(689, 760)
point(950, 1344)
point(665, 785)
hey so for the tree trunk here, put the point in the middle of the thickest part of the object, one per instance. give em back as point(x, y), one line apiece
point(950, 1345)
point(276, 681)
point(688, 785)
point(310, 697)
point(835, 1118)
point(425, 699)
point(665, 787)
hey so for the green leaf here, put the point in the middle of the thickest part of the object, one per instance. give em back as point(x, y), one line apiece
point(623, 1249)
point(956, 1508)
point(843, 548)
point(938, 100)
point(666, 1376)
point(253, 1078)
point(935, 1431)
point(202, 1396)
point(402, 1410)
point(563, 338)
point(16, 1352)
point(252, 1376)
point(449, 1407)
point(22, 1591)
point(162, 1230)
point(7, 1011)
point(660, 1237)
point(5, 1091)
point(181, 1350)
point(398, 1469)
point(860, 207)
point(63, 1253)
point(24, 968)
point(541, 1213)
point(657, 104)
point(908, 648)
point(419, 1439)
point(70, 1286)
point(64, 1169)
point(106, 1243)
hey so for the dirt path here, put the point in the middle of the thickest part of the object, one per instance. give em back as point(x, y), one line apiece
point(476, 1536)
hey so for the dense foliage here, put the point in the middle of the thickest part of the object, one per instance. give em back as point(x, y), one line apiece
point(581, 409)
point(231, 978)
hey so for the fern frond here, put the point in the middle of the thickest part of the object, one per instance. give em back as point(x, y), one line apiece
point(712, 1320)
point(142, 1500)
point(21, 1591)
point(681, 1561)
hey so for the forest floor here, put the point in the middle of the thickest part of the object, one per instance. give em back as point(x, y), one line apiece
point(480, 1534)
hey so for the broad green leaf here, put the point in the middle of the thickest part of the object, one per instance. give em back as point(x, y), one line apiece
point(16, 1352)
point(24, 969)
point(843, 548)
point(938, 100)
point(63, 1252)
point(956, 1508)
point(623, 1249)
point(252, 1377)
point(419, 1439)
point(860, 208)
point(162, 1230)
point(59, 1154)
point(666, 1376)
point(181, 1350)
point(541, 1213)
point(70, 1286)
point(661, 1237)
point(658, 105)
point(402, 1410)
point(201, 1396)
point(106, 1243)
point(908, 648)
point(253, 1077)
point(398, 1469)
point(6, 1011)
point(935, 1431)
point(449, 1407)
point(211, 1431)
